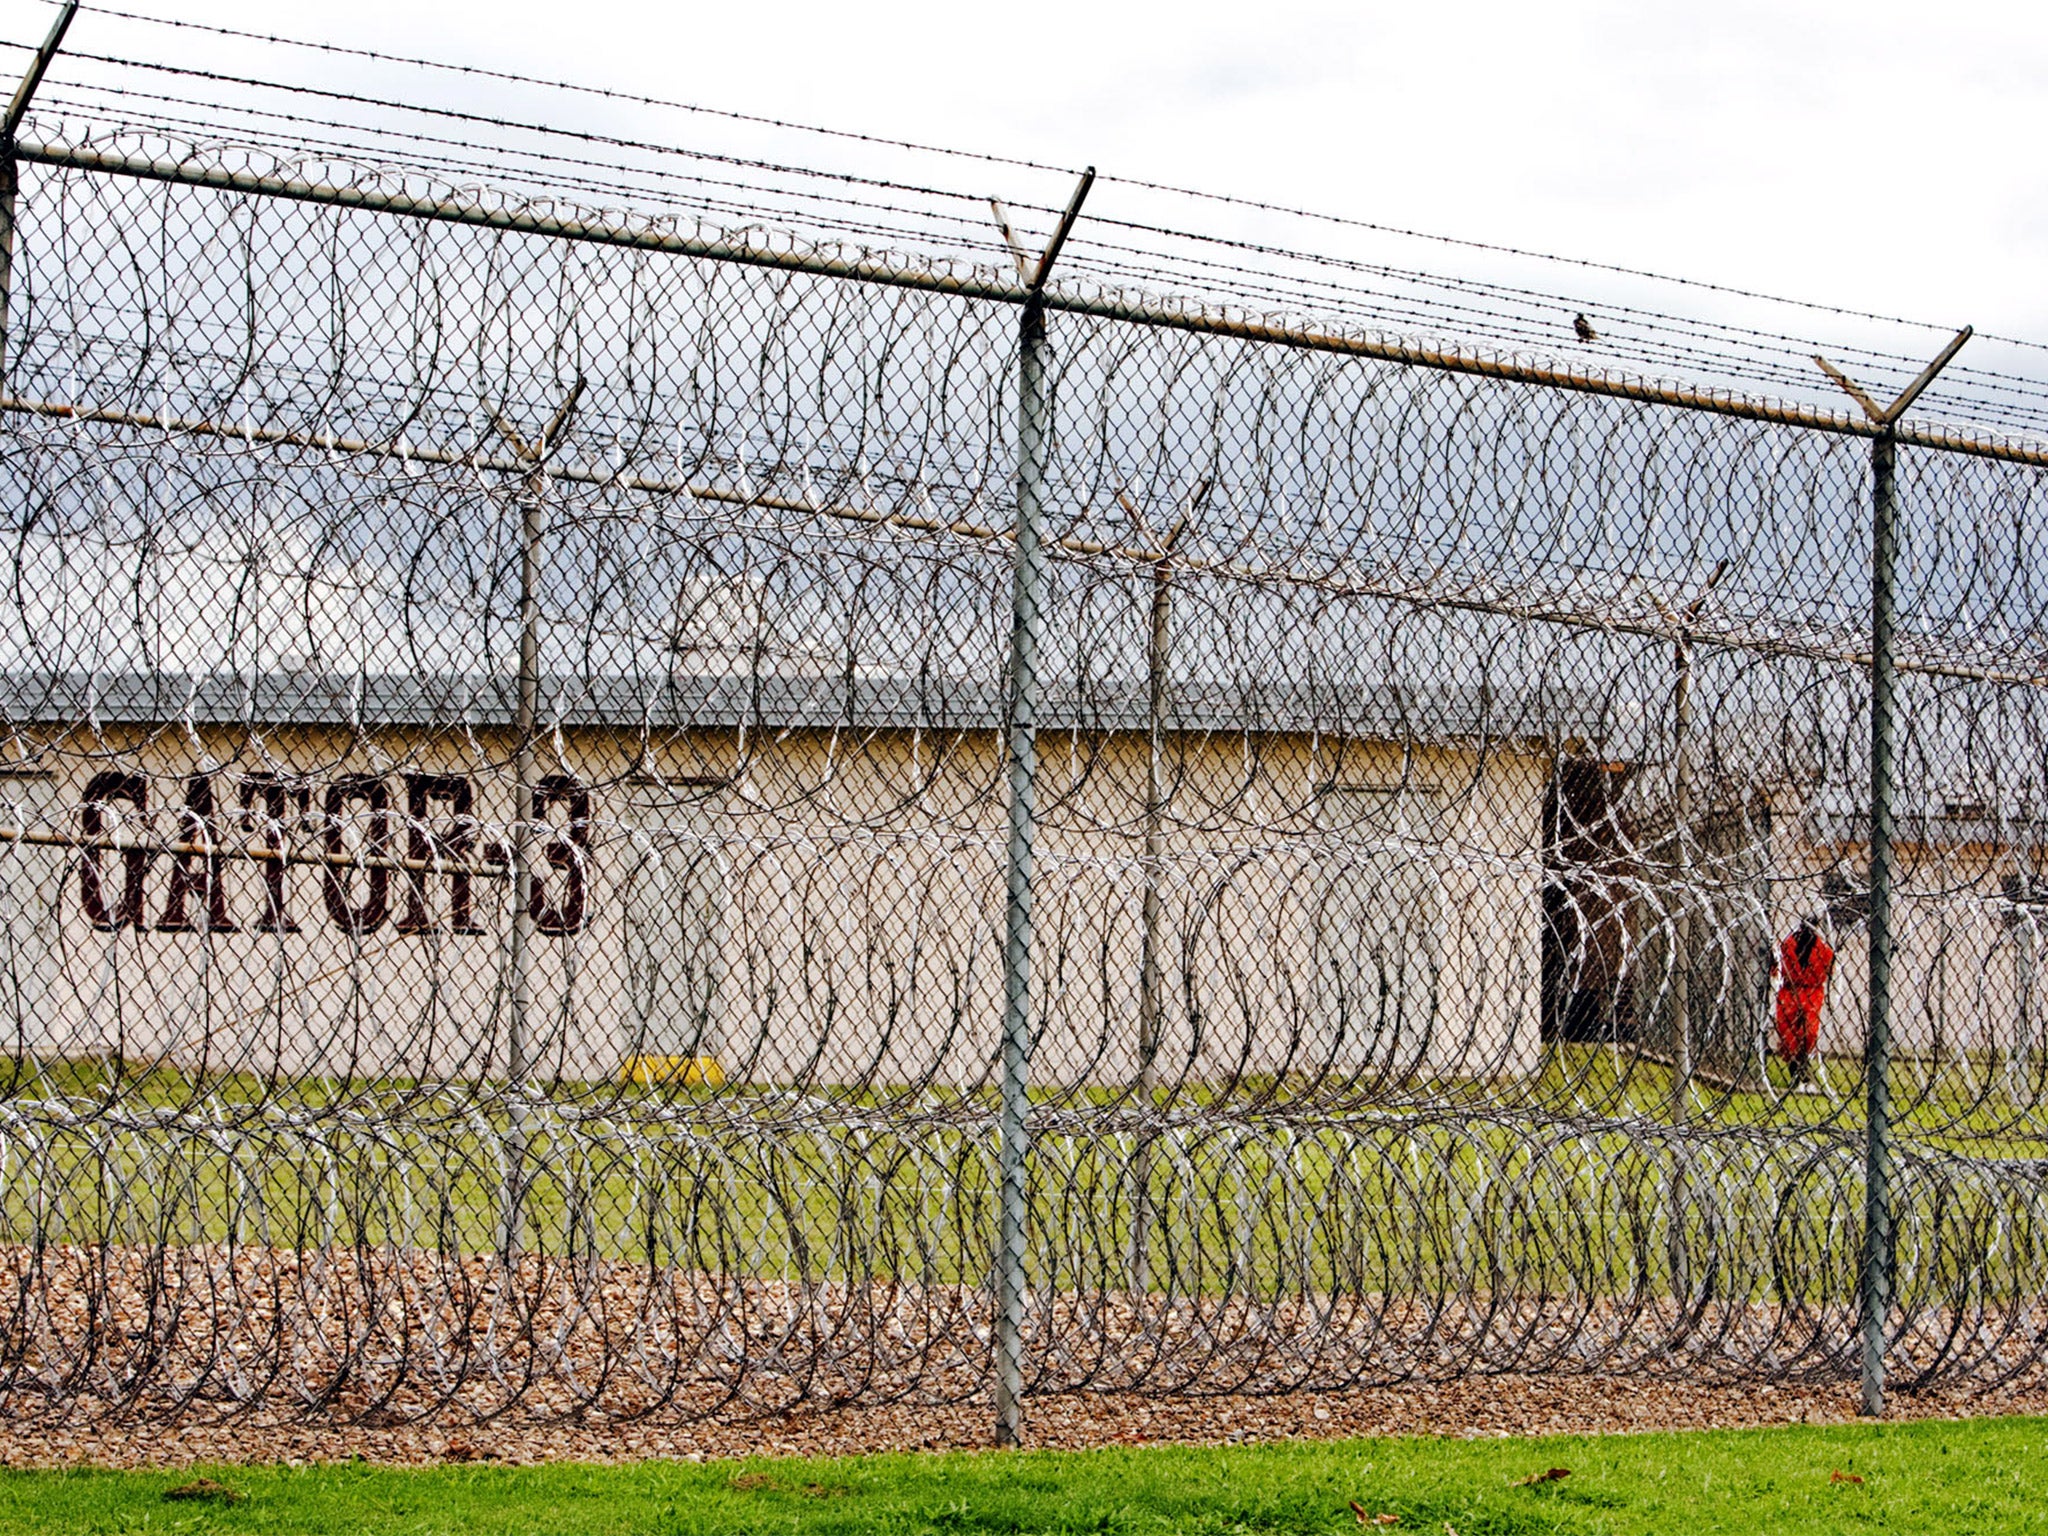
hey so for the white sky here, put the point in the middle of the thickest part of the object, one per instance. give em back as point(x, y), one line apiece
point(1880, 155)
point(1877, 155)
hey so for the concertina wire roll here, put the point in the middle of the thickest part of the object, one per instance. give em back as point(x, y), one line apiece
point(1433, 770)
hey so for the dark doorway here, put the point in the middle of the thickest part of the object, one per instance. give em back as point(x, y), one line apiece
point(1586, 991)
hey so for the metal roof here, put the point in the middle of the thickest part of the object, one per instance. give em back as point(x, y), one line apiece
point(785, 700)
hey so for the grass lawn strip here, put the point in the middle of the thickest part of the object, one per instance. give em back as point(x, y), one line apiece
point(1979, 1476)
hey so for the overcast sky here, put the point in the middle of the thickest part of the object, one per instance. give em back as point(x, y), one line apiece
point(1877, 155)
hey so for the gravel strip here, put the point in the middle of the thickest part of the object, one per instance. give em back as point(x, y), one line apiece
point(131, 1356)
point(1483, 1406)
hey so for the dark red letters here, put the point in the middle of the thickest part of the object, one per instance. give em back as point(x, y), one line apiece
point(368, 915)
point(197, 875)
point(567, 852)
point(100, 794)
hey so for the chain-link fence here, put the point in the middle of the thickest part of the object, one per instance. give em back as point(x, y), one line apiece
point(628, 813)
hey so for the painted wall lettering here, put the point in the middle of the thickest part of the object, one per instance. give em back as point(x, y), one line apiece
point(267, 802)
point(104, 795)
point(197, 880)
point(216, 835)
point(456, 844)
point(567, 851)
point(337, 881)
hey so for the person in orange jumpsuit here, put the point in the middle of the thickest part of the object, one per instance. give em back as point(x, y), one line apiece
point(1805, 960)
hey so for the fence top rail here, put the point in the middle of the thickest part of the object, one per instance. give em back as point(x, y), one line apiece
point(993, 284)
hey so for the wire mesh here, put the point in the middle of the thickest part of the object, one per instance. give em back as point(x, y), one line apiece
point(509, 773)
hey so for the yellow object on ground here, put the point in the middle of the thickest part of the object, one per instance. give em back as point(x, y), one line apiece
point(683, 1071)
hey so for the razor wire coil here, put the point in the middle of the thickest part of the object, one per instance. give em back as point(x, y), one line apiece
point(428, 992)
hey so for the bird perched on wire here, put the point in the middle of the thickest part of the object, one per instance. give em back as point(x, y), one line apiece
point(1584, 328)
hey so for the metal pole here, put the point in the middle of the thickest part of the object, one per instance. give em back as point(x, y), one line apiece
point(1681, 842)
point(1876, 1289)
point(1027, 623)
point(525, 723)
point(1151, 940)
point(1151, 971)
point(1874, 1292)
point(526, 713)
point(1679, 1251)
point(10, 182)
point(1681, 928)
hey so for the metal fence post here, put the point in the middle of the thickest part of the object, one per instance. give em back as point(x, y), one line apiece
point(1874, 1288)
point(1682, 624)
point(1151, 943)
point(10, 172)
point(1681, 845)
point(1874, 1293)
point(1152, 917)
point(532, 503)
point(10, 183)
point(519, 959)
point(1027, 624)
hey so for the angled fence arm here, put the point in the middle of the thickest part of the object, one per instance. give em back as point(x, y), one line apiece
point(17, 108)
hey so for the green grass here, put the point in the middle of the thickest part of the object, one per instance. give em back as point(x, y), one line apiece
point(1957, 1104)
point(1987, 1475)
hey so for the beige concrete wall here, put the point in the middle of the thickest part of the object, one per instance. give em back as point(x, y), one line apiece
point(811, 906)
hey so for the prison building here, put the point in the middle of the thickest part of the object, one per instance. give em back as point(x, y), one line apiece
point(776, 880)
point(1970, 897)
